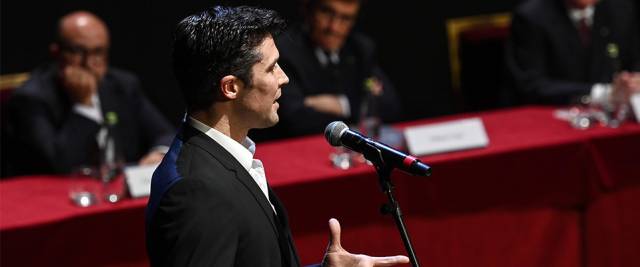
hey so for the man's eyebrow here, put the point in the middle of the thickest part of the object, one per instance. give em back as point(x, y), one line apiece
point(273, 63)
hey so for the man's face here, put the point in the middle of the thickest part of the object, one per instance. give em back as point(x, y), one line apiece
point(331, 22)
point(85, 44)
point(258, 104)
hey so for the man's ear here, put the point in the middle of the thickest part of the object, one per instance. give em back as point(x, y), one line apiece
point(230, 87)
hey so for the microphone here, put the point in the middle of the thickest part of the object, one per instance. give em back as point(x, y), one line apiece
point(338, 134)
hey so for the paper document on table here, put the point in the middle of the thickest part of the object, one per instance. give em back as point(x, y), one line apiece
point(139, 179)
point(446, 136)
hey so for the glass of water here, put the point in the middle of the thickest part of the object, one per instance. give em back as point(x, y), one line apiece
point(85, 186)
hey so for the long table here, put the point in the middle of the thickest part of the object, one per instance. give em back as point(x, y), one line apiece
point(541, 194)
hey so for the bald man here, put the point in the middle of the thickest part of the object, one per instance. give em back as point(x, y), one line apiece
point(57, 117)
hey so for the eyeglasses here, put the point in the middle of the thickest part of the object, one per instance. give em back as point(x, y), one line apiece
point(330, 13)
point(81, 51)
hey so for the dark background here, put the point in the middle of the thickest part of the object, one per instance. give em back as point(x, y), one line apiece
point(411, 38)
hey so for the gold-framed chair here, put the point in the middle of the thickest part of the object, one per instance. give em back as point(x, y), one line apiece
point(9, 82)
point(465, 33)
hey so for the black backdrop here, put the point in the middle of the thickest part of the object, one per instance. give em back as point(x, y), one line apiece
point(410, 35)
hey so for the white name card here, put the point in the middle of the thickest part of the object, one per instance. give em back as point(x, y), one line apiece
point(139, 179)
point(446, 136)
point(635, 105)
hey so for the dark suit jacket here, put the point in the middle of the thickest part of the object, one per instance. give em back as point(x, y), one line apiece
point(206, 210)
point(549, 64)
point(307, 77)
point(49, 137)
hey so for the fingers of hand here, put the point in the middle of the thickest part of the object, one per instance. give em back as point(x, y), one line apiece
point(334, 235)
point(389, 261)
point(80, 84)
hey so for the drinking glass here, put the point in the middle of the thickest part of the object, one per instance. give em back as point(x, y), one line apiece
point(112, 178)
point(85, 186)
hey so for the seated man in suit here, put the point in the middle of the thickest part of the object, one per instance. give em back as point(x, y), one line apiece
point(67, 107)
point(562, 50)
point(332, 71)
point(211, 204)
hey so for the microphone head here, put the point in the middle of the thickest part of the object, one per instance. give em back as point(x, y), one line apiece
point(334, 131)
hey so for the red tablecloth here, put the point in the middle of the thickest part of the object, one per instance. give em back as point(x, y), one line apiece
point(541, 194)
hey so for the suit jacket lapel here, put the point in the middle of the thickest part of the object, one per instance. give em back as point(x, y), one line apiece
point(286, 231)
point(216, 150)
point(601, 63)
point(568, 32)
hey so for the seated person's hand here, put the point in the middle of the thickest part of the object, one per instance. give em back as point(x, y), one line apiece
point(326, 103)
point(337, 256)
point(154, 157)
point(626, 84)
point(81, 84)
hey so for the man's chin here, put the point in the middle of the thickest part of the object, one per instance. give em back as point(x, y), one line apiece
point(331, 45)
point(270, 123)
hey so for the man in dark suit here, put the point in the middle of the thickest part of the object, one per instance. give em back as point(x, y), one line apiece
point(210, 202)
point(561, 50)
point(332, 71)
point(58, 115)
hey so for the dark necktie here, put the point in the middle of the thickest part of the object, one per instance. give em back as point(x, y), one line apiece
point(333, 70)
point(585, 31)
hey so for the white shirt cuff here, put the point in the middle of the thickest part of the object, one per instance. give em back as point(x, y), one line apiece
point(601, 93)
point(344, 104)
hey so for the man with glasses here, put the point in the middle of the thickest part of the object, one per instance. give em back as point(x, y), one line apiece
point(331, 71)
point(57, 116)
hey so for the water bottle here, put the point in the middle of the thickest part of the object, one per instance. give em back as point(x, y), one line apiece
point(370, 123)
point(110, 160)
point(617, 110)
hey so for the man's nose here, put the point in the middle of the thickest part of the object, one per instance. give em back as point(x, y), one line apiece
point(334, 24)
point(284, 79)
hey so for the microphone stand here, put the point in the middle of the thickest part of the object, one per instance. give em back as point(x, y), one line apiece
point(392, 207)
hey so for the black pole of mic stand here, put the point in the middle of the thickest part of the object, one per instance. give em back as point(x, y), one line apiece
point(393, 208)
point(384, 175)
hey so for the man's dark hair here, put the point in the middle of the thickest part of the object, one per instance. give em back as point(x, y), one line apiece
point(217, 42)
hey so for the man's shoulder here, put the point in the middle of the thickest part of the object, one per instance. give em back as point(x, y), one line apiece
point(533, 9)
point(122, 83)
point(363, 42)
point(547, 14)
point(624, 10)
point(122, 76)
point(292, 42)
point(41, 82)
point(202, 152)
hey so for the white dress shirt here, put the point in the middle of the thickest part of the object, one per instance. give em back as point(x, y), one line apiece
point(243, 153)
point(93, 111)
point(577, 15)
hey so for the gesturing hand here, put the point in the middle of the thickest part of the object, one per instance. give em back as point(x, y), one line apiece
point(336, 256)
